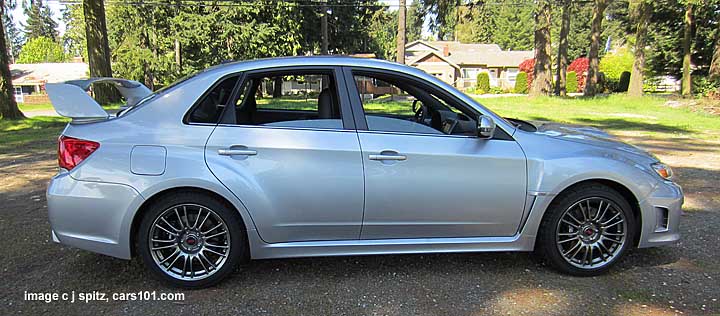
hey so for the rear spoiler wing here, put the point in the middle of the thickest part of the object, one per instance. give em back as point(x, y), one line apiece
point(70, 98)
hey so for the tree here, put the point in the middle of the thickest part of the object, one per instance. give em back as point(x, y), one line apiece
point(443, 16)
point(39, 21)
point(400, 57)
point(542, 72)
point(98, 49)
point(74, 37)
point(593, 76)
point(562, 60)
point(715, 63)
point(414, 24)
point(8, 107)
point(41, 50)
point(686, 83)
point(641, 10)
point(13, 36)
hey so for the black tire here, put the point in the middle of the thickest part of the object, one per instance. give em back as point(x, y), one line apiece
point(547, 243)
point(235, 253)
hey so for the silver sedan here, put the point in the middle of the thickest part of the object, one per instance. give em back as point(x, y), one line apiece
point(329, 156)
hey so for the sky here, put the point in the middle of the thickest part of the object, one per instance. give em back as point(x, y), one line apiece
point(56, 7)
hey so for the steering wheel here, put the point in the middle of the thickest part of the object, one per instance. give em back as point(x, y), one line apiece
point(420, 112)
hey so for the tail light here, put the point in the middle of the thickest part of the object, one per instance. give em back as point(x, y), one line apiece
point(72, 151)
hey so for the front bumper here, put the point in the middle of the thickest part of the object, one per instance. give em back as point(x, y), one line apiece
point(94, 216)
point(661, 212)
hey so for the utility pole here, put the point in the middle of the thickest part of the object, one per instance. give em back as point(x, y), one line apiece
point(400, 58)
point(324, 28)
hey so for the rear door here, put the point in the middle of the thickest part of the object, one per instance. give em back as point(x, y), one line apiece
point(288, 150)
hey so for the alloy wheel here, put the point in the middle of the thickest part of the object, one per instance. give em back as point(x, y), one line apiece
point(189, 242)
point(591, 233)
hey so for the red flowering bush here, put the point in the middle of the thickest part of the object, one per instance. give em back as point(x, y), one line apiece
point(580, 67)
point(528, 67)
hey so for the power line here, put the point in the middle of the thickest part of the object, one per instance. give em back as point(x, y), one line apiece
point(297, 3)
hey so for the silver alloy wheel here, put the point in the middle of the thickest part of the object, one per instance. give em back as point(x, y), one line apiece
point(189, 242)
point(591, 233)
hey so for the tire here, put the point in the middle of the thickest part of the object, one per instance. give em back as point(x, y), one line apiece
point(191, 240)
point(609, 237)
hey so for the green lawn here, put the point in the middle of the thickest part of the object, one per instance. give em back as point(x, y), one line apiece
point(647, 115)
point(47, 106)
point(31, 133)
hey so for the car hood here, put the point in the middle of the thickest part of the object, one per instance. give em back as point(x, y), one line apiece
point(590, 136)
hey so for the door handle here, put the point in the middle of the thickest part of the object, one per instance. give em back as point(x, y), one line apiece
point(236, 152)
point(387, 157)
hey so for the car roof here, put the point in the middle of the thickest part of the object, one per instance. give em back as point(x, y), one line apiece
point(293, 61)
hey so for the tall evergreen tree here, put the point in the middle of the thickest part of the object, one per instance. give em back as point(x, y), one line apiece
point(400, 55)
point(13, 36)
point(641, 10)
point(562, 60)
point(8, 106)
point(686, 83)
point(98, 49)
point(593, 76)
point(39, 21)
point(542, 73)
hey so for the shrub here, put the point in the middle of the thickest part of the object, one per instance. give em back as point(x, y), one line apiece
point(624, 82)
point(483, 83)
point(521, 82)
point(571, 84)
point(704, 86)
point(580, 67)
point(528, 67)
point(613, 65)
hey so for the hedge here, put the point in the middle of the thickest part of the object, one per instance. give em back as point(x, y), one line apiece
point(571, 85)
point(521, 82)
point(624, 82)
point(483, 83)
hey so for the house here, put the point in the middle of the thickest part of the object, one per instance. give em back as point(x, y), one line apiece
point(29, 79)
point(459, 63)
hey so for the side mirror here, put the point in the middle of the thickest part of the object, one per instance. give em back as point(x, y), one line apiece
point(485, 127)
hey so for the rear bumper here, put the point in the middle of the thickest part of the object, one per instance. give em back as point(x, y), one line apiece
point(94, 216)
point(661, 212)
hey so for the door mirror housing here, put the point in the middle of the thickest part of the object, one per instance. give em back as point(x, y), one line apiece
point(485, 127)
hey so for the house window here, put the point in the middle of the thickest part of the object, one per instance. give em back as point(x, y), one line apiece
point(18, 95)
point(471, 73)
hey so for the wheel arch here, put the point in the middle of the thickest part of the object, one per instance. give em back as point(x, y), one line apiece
point(137, 217)
point(622, 189)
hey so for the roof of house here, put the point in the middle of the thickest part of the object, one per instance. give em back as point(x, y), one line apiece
point(461, 54)
point(31, 74)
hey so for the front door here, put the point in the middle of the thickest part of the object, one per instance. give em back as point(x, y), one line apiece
point(426, 173)
point(290, 158)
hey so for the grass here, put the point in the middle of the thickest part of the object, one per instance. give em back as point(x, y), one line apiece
point(647, 115)
point(30, 133)
point(47, 106)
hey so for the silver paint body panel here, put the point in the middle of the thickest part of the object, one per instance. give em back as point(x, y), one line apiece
point(307, 190)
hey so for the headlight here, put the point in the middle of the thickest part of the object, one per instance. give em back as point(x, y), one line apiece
point(662, 170)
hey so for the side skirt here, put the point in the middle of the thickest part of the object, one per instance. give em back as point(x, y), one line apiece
point(262, 250)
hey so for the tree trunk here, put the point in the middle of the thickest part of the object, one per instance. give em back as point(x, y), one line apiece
point(98, 49)
point(562, 60)
point(636, 77)
point(8, 107)
point(542, 73)
point(178, 55)
point(400, 58)
point(324, 30)
point(715, 63)
point(277, 87)
point(686, 82)
point(593, 76)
